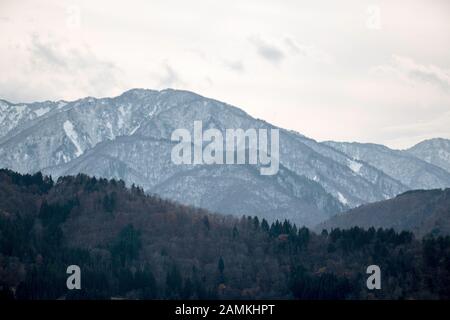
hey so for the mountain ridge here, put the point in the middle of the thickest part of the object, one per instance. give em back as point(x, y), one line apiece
point(109, 137)
point(422, 211)
point(401, 165)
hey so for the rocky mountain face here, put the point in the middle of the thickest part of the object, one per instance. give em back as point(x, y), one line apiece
point(128, 137)
point(15, 115)
point(420, 211)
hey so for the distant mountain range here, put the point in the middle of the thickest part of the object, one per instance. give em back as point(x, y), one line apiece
point(416, 172)
point(435, 151)
point(421, 211)
point(128, 137)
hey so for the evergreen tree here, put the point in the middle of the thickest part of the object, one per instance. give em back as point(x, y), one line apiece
point(174, 282)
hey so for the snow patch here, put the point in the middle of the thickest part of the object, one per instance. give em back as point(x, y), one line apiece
point(135, 129)
point(444, 155)
point(152, 113)
point(20, 109)
point(73, 136)
point(3, 106)
point(41, 111)
point(342, 199)
point(354, 166)
point(110, 128)
point(61, 104)
point(121, 115)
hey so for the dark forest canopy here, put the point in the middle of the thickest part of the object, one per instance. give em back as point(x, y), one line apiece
point(137, 246)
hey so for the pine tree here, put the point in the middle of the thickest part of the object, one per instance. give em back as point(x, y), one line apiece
point(174, 282)
point(206, 222)
point(235, 232)
point(264, 225)
point(221, 265)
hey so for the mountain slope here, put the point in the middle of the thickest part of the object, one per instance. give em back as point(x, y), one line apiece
point(411, 171)
point(238, 190)
point(235, 190)
point(128, 137)
point(14, 116)
point(67, 132)
point(420, 211)
point(435, 151)
point(130, 245)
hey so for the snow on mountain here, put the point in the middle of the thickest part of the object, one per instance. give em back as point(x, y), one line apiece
point(15, 115)
point(402, 166)
point(435, 151)
point(355, 166)
point(128, 137)
point(73, 136)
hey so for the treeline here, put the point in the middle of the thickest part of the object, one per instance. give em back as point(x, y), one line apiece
point(137, 246)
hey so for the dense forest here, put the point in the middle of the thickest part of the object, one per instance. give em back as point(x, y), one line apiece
point(132, 245)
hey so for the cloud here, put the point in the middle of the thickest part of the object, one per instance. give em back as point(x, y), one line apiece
point(308, 51)
point(170, 78)
point(408, 70)
point(48, 54)
point(289, 47)
point(53, 54)
point(56, 69)
point(236, 65)
point(266, 50)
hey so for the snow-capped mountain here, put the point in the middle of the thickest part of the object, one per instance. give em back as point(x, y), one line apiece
point(435, 151)
point(14, 115)
point(128, 137)
point(402, 166)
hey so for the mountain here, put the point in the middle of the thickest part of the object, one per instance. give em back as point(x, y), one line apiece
point(131, 245)
point(420, 211)
point(435, 151)
point(128, 137)
point(15, 115)
point(413, 172)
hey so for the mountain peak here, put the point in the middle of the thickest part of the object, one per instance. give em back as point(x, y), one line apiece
point(435, 151)
point(139, 92)
point(432, 141)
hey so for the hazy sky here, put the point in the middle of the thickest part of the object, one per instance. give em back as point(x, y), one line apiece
point(368, 71)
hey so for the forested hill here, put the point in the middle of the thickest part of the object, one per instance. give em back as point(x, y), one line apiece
point(132, 245)
point(420, 211)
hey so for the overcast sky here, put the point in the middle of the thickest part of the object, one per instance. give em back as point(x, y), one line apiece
point(368, 71)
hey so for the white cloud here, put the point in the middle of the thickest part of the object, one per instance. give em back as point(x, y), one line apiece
point(267, 50)
point(171, 78)
point(308, 51)
point(407, 69)
point(235, 65)
point(49, 68)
